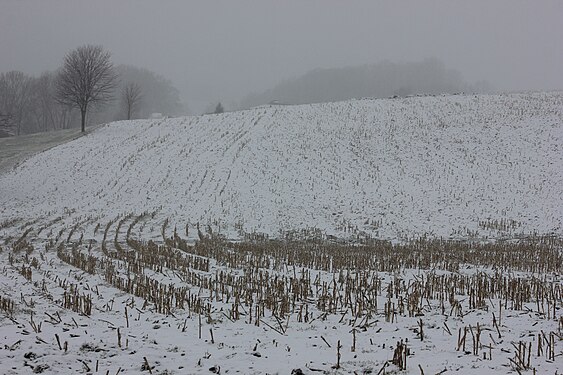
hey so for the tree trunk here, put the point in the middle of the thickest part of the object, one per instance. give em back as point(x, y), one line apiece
point(83, 115)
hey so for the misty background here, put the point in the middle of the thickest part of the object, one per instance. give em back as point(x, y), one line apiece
point(190, 55)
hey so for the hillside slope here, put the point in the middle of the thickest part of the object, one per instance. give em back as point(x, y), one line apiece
point(443, 166)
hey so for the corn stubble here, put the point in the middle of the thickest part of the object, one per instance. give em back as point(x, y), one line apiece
point(298, 279)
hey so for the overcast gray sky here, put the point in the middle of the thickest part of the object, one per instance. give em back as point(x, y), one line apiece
point(225, 49)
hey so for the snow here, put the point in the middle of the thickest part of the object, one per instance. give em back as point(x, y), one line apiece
point(14, 150)
point(461, 167)
point(393, 169)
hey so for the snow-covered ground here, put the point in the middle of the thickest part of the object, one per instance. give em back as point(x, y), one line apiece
point(395, 169)
point(81, 290)
point(15, 150)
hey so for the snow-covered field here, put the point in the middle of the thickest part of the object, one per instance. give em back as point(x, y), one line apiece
point(81, 289)
point(390, 168)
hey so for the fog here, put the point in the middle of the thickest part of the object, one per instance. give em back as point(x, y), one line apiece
point(385, 79)
point(226, 50)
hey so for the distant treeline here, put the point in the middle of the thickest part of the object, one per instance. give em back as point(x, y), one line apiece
point(28, 104)
point(384, 79)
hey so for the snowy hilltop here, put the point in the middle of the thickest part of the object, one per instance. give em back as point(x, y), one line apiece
point(462, 166)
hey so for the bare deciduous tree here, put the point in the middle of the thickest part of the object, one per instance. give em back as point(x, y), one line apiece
point(159, 94)
point(5, 125)
point(14, 100)
point(87, 77)
point(47, 113)
point(131, 97)
point(5, 118)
